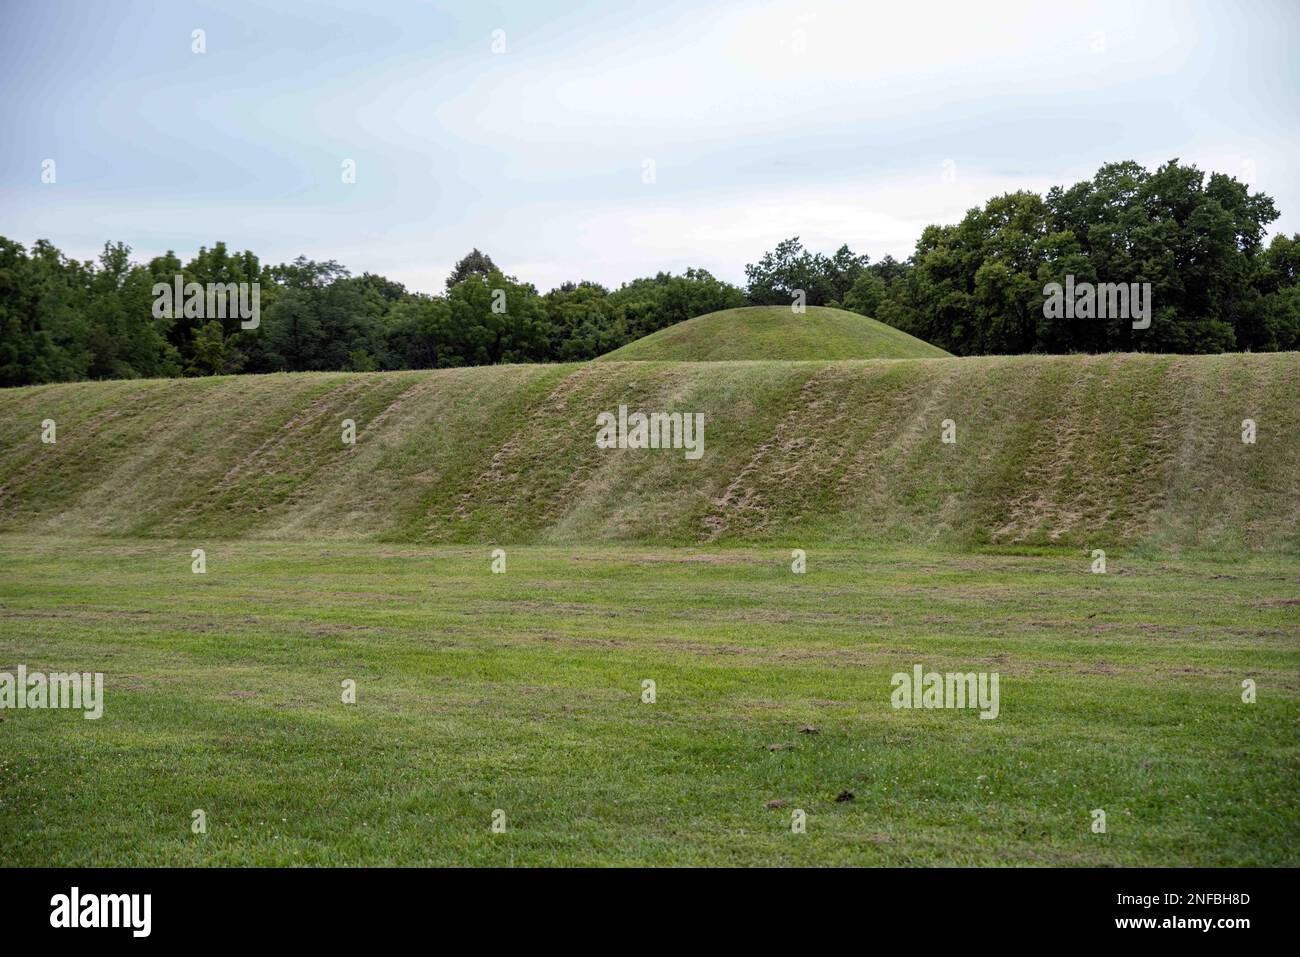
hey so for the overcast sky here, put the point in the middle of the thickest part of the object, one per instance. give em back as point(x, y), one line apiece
point(852, 122)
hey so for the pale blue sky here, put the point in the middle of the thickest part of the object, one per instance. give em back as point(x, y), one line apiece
point(832, 121)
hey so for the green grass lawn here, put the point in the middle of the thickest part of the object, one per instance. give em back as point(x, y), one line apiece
point(522, 692)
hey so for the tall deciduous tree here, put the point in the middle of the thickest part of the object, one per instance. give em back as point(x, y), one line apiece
point(474, 263)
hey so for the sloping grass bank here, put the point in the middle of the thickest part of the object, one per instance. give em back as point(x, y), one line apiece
point(1084, 451)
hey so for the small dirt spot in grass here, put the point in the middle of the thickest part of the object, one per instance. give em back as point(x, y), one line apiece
point(1099, 668)
point(844, 796)
point(775, 803)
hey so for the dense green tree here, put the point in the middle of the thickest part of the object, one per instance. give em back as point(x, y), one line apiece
point(215, 265)
point(1196, 241)
point(977, 287)
point(842, 271)
point(127, 340)
point(583, 322)
point(650, 304)
point(498, 319)
point(473, 263)
point(1277, 319)
point(419, 334)
point(208, 353)
point(42, 316)
point(782, 273)
point(866, 294)
point(319, 320)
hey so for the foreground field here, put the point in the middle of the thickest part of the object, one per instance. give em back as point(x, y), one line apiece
point(522, 692)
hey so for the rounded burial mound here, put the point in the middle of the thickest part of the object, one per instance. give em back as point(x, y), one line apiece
point(776, 332)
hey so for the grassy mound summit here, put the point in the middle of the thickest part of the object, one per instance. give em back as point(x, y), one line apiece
point(776, 332)
point(1087, 451)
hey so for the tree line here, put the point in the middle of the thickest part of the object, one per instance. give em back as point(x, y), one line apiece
point(977, 287)
point(973, 288)
point(61, 319)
